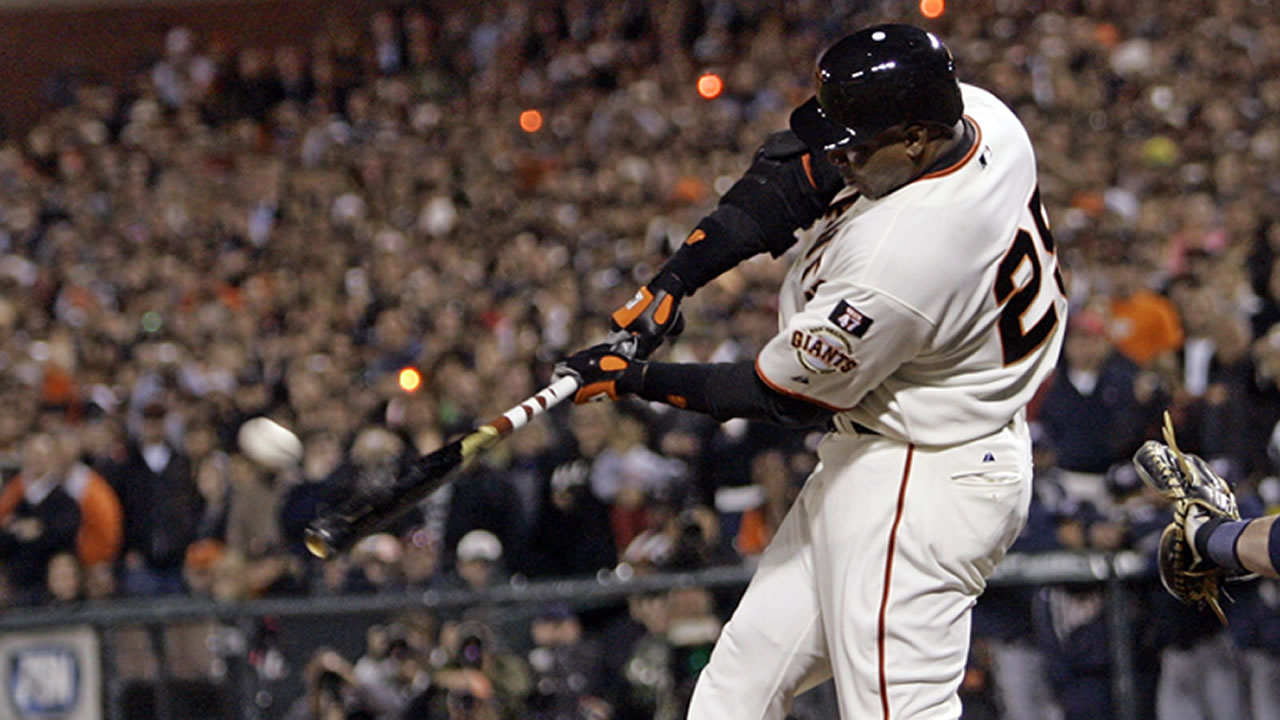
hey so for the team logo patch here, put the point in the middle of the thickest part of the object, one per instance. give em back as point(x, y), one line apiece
point(822, 350)
point(847, 318)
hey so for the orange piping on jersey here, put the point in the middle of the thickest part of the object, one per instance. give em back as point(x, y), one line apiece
point(783, 391)
point(977, 142)
point(888, 576)
point(808, 170)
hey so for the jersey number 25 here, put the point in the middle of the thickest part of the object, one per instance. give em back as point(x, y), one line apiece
point(1017, 339)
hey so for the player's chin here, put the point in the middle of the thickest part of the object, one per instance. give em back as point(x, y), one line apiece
point(854, 183)
point(871, 192)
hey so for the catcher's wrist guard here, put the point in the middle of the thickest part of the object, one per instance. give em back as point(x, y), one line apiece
point(1199, 495)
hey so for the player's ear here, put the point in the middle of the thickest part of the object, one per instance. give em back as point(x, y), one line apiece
point(914, 139)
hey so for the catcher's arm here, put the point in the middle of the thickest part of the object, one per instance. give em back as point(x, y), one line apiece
point(1258, 546)
point(1202, 504)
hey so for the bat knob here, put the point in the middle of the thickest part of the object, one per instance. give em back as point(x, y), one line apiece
point(320, 543)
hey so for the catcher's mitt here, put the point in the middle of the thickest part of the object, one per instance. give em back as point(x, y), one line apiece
point(1199, 495)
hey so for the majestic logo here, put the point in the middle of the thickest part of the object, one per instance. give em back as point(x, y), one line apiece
point(847, 318)
point(44, 681)
point(822, 350)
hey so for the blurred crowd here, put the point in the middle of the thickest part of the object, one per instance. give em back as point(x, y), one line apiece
point(245, 231)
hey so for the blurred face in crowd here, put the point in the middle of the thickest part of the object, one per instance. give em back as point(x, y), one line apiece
point(151, 429)
point(553, 631)
point(419, 560)
point(1199, 311)
point(1232, 337)
point(590, 424)
point(99, 581)
point(39, 456)
point(1126, 279)
point(477, 572)
point(64, 577)
point(1086, 348)
point(211, 481)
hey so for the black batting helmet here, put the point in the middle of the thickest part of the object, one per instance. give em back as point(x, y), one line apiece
point(874, 79)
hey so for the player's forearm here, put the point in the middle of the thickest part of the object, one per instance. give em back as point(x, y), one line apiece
point(1258, 547)
point(724, 391)
point(785, 189)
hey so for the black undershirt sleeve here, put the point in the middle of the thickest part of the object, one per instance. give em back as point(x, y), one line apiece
point(726, 390)
point(784, 190)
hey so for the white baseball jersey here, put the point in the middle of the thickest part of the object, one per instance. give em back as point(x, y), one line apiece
point(930, 315)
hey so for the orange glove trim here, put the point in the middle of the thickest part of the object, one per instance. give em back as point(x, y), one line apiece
point(611, 363)
point(587, 392)
point(694, 237)
point(663, 313)
point(627, 314)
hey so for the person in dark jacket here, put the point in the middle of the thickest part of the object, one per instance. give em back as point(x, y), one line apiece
point(44, 522)
point(161, 504)
point(1099, 404)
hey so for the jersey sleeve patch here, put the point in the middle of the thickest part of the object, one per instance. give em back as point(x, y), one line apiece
point(822, 350)
point(847, 318)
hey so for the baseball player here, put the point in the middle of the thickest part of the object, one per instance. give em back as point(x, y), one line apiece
point(921, 311)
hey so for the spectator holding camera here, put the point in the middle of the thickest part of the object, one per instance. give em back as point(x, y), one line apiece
point(332, 691)
point(564, 664)
point(481, 680)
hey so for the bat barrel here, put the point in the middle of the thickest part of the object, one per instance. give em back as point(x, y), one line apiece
point(320, 542)
point(368, 510)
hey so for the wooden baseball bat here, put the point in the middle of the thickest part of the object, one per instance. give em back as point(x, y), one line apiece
point(365, 512)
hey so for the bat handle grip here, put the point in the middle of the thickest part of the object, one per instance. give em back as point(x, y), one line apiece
point(623, 343)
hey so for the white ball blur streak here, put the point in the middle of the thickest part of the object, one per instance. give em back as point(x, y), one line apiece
point(269, 443)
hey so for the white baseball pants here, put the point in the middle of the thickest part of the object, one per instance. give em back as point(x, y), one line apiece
point(871, 579)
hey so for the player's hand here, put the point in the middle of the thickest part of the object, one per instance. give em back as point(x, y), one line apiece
point(602, 372)
point(652, 314)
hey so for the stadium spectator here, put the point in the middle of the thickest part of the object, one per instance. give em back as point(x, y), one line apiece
point(1096, 409)
point(479, 563)
point(100, 534)
point(41, 519)
point(571, 535)
point(1143, 323)
point(63, 580)
point(563, 664)
point(160, 501)
point(481, 679)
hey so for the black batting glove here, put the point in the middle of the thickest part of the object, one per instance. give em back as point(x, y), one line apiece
point(652, 314)
point(602, 371)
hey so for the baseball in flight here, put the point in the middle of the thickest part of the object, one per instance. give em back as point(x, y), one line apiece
point(269, 443)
